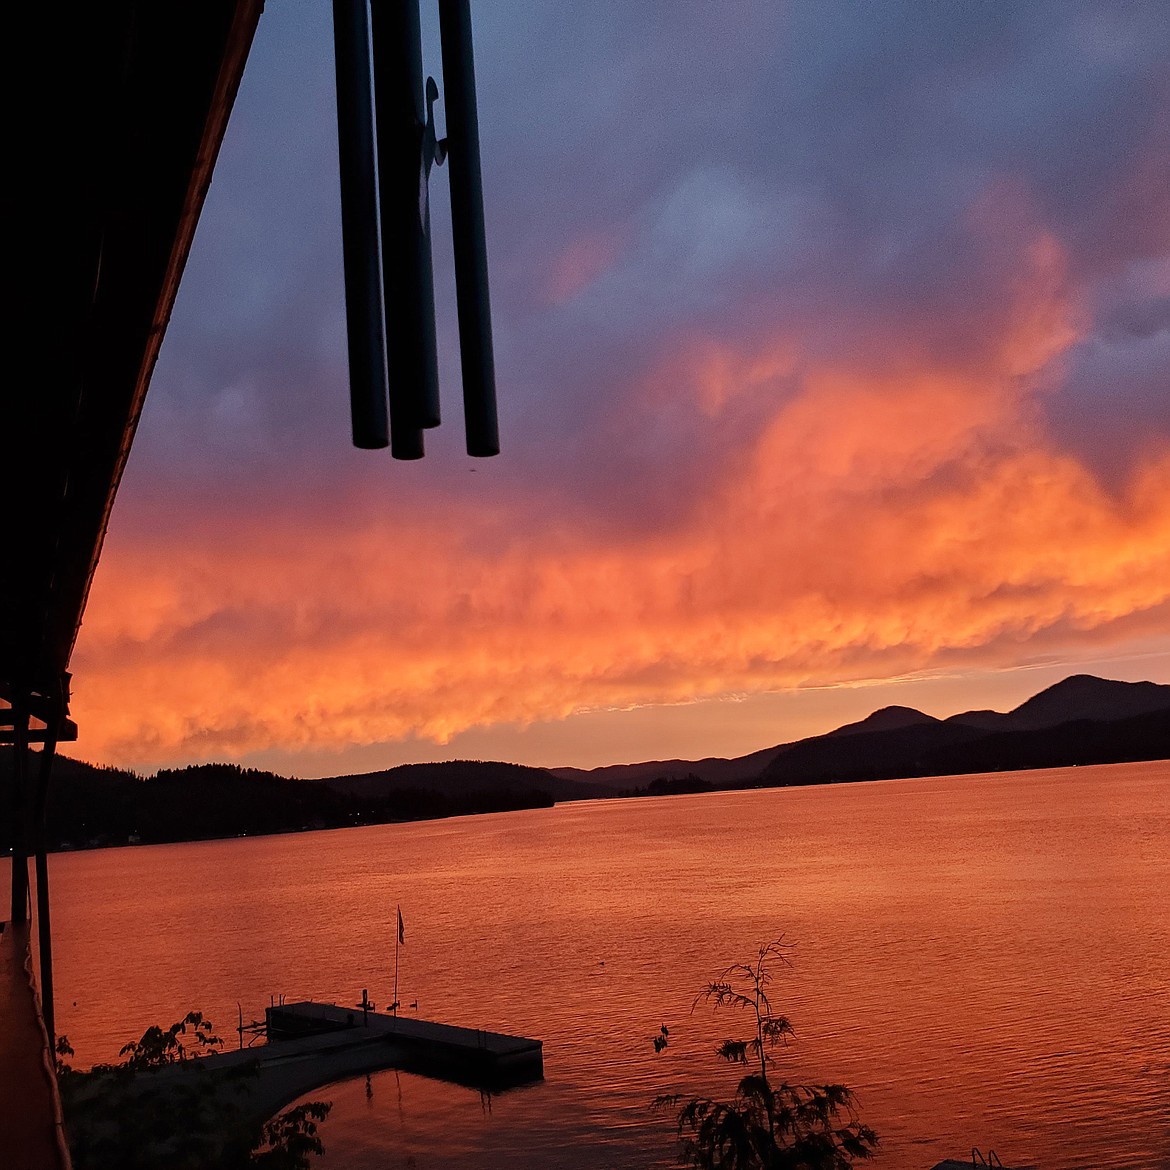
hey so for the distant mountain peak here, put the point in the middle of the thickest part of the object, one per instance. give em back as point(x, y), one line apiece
point(985, 719)
point(1079, 683)
point(1085, 696)
point(886, 719)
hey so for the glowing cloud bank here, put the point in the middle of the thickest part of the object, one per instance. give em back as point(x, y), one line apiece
point(768, 425)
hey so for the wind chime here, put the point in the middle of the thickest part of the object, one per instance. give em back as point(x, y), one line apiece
point(387, 146)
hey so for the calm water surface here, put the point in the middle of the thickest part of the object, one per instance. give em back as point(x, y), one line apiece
point(985, 960)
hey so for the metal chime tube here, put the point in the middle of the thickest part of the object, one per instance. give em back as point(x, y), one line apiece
point(407, 283)
point(467, 225)
point(359, 225)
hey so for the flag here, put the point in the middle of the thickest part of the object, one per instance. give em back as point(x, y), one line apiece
point(401, 936)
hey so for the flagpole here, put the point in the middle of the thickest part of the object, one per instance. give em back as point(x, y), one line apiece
point(397, 944)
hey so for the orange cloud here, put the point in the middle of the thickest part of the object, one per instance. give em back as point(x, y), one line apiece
point(888, 516)
point(864, 527)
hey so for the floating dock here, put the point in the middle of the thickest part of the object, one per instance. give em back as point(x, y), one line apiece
point(311, 1045)
point(471, 1056)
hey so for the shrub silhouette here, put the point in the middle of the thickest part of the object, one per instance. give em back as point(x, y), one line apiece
point(122, 1115)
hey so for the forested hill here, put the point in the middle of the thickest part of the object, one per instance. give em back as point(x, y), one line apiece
point(91, 806)
point(457, 778)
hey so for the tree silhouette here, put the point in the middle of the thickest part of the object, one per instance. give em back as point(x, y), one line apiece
point(765, 1126)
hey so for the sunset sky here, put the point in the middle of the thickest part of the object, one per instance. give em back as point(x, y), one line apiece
point(833, 352)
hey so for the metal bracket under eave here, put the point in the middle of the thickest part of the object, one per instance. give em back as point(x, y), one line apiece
point(38, 731)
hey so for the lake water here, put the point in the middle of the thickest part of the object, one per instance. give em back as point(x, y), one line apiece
point(984, 960)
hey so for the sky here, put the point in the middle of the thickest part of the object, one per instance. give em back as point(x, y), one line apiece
point(833, 355)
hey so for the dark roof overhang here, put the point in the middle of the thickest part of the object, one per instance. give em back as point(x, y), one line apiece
point(123, 130)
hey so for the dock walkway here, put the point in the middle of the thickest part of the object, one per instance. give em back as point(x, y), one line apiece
point(314, 1044)
point(448, 1050)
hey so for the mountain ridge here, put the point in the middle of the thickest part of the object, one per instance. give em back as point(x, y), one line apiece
point(904, 731)
point(1080, 720)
